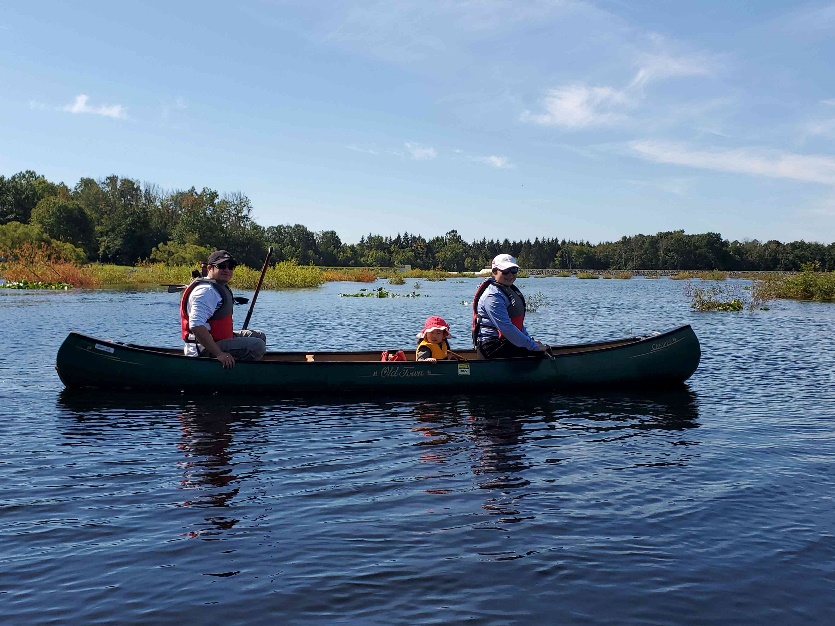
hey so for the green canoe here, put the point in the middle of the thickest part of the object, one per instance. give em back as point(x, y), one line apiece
point(635, 362)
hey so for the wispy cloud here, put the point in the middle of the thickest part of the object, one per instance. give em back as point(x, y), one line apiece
point(821, 128)
point(655, 67)
point(811, 20)
point(499, 162)
point(755, 162)
point(420, 152)
point(578, 105)
point(363, 150)
point(81, 105)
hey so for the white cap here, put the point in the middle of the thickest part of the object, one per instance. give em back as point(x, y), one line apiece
point(504, 262)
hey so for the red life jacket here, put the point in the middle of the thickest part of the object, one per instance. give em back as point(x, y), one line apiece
point(515, 310)
point(221, 320)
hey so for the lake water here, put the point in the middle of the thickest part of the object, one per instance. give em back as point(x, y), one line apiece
point(705, 505)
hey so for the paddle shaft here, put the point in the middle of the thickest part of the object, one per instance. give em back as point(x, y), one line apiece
point(258, 288)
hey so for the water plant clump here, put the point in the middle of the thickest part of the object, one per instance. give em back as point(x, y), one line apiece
point(379, 292)
point(728, 297)
point(535, 301)
point(25, 284)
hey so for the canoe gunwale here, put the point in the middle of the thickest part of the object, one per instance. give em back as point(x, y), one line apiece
point(374, 355)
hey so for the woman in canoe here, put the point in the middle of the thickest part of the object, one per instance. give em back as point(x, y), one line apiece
point(499, 315)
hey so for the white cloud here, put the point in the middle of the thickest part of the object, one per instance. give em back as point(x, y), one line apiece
point(420, 152)
point(654, 67)
point(363, 150)
point(579, 106)
point(80, 105)
point(499, 162)
point(769, 163)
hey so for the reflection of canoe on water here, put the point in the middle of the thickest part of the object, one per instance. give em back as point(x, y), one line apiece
point(658, 360)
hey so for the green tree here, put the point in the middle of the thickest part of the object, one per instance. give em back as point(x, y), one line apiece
point(14, 236)
point(65, 220)
point(20, 193)
point(328, 248)
point(173, 253)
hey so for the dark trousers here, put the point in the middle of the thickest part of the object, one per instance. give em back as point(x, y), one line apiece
point(503, 349)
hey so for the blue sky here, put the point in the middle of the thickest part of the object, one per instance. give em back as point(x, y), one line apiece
point(496, 118)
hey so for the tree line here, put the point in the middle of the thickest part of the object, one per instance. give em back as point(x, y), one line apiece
point(122, 221)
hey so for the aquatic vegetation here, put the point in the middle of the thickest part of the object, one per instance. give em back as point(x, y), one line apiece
point(586, 275)
point(562, 274)
point(25, 284)
point(712, 275)
point(397, 280)
point(683, 276)
point(379, 292)
point(42, 263)
point(809, 284)
point(727, 297)
point(532, 303)
point(430, 275)
point(349, 274)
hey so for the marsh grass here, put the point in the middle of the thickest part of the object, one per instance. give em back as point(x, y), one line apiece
point(617, 275)
point(587, 275)
point(34, 264)
point(397, 280)
point(562, 274)
point(430, 275)
point(809, 284)
point(348, 274)
point(712, 275)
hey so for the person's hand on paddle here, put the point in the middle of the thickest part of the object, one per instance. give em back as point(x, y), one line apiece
point(540, 347)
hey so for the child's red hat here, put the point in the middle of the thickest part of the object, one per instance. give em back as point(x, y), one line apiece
point(434, 323)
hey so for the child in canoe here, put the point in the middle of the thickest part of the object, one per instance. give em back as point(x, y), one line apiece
point(432, 341)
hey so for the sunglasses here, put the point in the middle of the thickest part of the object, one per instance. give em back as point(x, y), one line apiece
point(225, 266)
point(511, 270)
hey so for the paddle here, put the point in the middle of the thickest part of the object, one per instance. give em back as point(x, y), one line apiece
point(258, 288)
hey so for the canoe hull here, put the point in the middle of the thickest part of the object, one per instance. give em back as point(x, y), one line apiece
point(662, 360)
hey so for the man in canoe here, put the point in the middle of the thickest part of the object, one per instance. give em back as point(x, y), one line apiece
point(206, 317)
point(499, 315)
